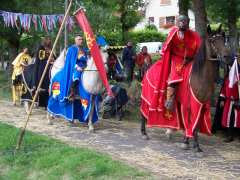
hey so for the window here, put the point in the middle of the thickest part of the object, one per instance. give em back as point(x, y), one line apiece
point(167, 22)
point(151, 20)
point(170, 20)
point(165, 2)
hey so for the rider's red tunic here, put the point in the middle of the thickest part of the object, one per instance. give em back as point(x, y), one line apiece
point(170, 69)
point(230, 95)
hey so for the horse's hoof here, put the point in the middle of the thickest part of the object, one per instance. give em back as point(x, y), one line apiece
point(119, 118)
point(91, 130)
point(145, 137)
point(169, 136)
point(198, 150)
point(185, 146)
point(71, 124)
point(50, 123)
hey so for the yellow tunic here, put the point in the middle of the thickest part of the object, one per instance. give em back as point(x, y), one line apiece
point(18, 64)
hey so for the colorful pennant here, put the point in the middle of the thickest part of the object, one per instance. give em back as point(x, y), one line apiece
point(39, 22)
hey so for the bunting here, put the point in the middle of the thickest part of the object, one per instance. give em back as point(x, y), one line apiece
point(39, 22)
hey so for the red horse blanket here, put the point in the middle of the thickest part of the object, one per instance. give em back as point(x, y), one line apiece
point(189, 111)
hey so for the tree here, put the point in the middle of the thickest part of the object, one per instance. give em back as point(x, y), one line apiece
point(200, 17)
point(184, 5)
point(228, 13)
point(129, 14)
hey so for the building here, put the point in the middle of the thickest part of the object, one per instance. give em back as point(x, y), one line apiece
point(162, 14)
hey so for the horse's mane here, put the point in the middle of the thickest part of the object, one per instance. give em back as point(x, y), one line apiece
point(199, 59)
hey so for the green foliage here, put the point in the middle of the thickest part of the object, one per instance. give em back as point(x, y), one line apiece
point(113, 38)
point(151, 27)
point(45, 158)
point(146, 36)
point(5, 83)
point(218, 11)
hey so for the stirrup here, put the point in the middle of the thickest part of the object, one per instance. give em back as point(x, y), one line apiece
point(169, 104)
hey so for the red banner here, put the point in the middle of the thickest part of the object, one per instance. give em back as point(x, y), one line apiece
point(92, 45)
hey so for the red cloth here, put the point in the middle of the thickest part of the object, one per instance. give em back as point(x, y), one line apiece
point(143, 57)
point(154, 87)
point(92, 45)
point(112, 62)
point(231, 95)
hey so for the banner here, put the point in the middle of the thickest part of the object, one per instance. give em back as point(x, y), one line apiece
point(92, 45)
point(39, 22)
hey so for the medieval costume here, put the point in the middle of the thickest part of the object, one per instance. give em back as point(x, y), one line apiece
point(42, 56)
point(128, 59)
point(28, 78)
point(22, 60)
point(113, 105)
point(144, 62)
point(173, 71)
point(111, 62)
point(63, 84)
point(228, 102)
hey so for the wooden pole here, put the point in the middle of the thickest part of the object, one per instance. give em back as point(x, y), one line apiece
point(65, 28)
point(22, 132)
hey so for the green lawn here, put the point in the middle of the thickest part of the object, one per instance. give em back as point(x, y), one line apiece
point(45, 158)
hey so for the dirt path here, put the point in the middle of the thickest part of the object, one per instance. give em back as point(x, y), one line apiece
point(122, 141)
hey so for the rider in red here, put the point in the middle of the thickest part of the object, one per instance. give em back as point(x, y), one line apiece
point(182, 45)
point(164, 77)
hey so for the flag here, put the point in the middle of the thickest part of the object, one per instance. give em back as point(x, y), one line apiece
point(233, 74)
point(93, 47)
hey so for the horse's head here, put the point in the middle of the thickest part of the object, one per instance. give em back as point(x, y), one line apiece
point(104, 58)
point(217, 47)
point(91, 79)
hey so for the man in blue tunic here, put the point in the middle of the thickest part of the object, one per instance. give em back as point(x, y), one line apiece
point(66, 84)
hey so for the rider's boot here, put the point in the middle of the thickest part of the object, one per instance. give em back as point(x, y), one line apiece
point(74, 90)
point(169, 104)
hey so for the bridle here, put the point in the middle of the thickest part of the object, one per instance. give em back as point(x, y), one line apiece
point(217, 52)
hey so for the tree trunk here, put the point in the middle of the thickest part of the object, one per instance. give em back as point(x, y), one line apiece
point(200, 18)
point(232, 25)
point(123, 19)
point(183, 7)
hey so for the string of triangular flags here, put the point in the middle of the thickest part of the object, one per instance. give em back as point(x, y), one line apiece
point(40, 22)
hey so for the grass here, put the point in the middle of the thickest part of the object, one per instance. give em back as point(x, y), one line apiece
point(45, 158)
point(5, 83)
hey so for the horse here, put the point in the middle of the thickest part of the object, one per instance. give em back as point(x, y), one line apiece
point(90, 80)
point(202, 77)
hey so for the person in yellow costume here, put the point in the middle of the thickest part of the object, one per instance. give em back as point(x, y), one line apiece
point(22, 60)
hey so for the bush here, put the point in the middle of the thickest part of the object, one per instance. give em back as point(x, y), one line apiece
point(146, 36)
point(113, 38)
point(151, 27)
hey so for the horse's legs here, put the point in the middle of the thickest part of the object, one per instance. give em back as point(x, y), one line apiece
point(196, 146)
point(14, 95)
point(185, 145)
point(169, 133)
point(90, 124)
point(50, 118)
point(27, 106)
point(143, 128)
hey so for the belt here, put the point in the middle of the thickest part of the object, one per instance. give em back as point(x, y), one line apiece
point(187, 57)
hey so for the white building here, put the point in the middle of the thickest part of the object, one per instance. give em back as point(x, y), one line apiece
point(162, 14)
